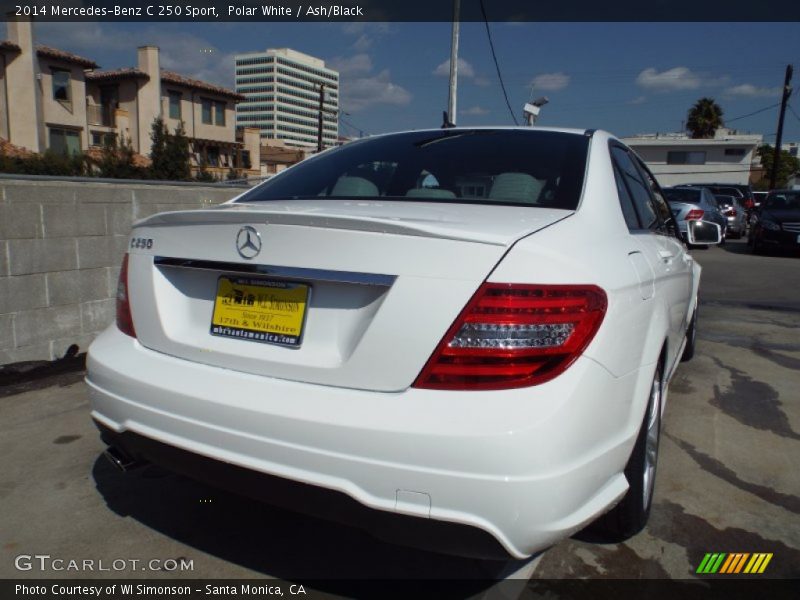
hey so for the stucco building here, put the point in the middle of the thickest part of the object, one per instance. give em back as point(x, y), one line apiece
point(55, 100)
point(676, 158)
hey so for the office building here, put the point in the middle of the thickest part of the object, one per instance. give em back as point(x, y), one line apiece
point(281, 90)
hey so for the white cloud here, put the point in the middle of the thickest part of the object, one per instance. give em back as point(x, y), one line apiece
point(366, 32)
point(550, 82)
point(362, 92)
point(677, 78)
point(638, 100)
point(351, 65)
point(464, 69)
point(360, 88)
point(751, 91)
point(475, 110)
point(362, 43)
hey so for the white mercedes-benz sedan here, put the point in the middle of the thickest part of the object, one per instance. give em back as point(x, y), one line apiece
point(467, 330)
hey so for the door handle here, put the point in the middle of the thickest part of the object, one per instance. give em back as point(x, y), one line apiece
point(666, 255)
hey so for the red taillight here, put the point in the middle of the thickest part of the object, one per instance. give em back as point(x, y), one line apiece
point(124, 318)
point(514, 335)
point(731, 212)
point(694, 215)
point(749, 203)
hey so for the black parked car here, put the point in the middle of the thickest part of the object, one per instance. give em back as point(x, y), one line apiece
point(777, 222)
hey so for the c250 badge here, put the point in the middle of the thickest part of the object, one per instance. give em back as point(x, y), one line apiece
point(142, 243)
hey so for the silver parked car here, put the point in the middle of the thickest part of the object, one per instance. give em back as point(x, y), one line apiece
point(733, 210)
point(694, 204)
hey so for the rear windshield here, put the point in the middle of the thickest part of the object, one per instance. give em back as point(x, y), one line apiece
point(516, 167)
point(682, 195)
point(728, 191)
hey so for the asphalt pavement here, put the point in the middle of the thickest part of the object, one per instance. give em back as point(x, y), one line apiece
point(727, 479)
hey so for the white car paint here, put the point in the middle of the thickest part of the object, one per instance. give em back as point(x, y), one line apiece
point(529, 465)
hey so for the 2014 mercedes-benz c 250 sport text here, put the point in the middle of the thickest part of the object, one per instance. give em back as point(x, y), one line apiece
point(466, 330)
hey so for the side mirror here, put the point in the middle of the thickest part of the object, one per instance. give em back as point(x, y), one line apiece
point(702, 232)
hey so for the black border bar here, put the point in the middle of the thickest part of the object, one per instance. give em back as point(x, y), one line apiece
point(402, 10)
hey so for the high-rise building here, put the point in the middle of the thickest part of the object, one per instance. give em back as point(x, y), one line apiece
point(282, 90)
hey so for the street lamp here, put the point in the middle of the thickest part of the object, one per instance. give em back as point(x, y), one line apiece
point(531, 110)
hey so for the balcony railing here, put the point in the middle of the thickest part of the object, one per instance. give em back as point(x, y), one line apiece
point(100, 115)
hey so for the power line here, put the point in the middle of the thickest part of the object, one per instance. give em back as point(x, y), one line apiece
point(791, 110)
point(497, 66)
point(753, 113)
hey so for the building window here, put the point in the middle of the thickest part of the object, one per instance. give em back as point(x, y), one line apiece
point(213, 112)
point(686, 158)
point(65, 141)
point(207, 116)
point(175, 105)
point(61, 85)
point(735, 152)
point(212, 153)
point(100, 138)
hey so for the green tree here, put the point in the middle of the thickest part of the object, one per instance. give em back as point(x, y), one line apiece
point(158, 149)
point(116, 160)
point(169, 153)
point(180, 167)
point(203, 173)
point(788, 165)
point(704, 118)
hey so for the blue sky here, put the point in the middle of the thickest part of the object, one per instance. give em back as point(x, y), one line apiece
point(624, 77)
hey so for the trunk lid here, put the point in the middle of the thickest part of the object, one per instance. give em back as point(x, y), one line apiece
point(385, 280)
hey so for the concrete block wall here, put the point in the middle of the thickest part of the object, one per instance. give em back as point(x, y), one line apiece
point(61, 244)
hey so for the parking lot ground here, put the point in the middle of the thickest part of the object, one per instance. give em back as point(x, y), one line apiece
point(727, 480)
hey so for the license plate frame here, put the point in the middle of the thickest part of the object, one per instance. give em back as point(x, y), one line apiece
point(240, 300)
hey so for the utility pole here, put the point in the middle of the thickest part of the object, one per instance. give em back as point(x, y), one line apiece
point(787, 91)
point(451, 103)
point(319, 121)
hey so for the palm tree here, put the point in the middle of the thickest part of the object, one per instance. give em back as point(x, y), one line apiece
point(704, 118)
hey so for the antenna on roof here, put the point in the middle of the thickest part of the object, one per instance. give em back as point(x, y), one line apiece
point(446, 123)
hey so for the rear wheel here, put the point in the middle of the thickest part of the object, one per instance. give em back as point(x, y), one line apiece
point(755, 245)
point(630, 516)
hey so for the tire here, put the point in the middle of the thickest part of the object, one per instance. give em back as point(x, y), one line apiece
point(691, 338)
point(630, 516)
point(756, 247)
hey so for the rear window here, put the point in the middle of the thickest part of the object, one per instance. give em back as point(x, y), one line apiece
point(728, 191)
point(515, 167)
point(682, 195)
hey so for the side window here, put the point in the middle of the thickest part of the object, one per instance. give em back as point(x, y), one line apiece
point(662, 208)
point(626, 202)
point(639, 190)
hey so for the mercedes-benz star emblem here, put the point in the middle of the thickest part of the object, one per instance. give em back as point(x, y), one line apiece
point(248, 242)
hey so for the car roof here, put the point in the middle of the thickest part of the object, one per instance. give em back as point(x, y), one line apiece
point(570, 130)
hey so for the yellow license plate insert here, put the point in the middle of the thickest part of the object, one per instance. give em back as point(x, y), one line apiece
point(260, 310)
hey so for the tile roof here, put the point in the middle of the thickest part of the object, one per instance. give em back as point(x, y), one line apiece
point(96, 154)
point(114, 74)
point(13, 151)
point(66, 56)
point(177, 79)
point(7, 46)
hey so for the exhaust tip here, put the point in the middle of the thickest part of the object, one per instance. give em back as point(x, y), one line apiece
point(121, 461)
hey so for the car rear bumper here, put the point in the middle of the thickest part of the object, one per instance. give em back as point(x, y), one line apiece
point(528, 466)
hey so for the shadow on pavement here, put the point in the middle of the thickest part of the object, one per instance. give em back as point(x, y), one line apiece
point(272, 541)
